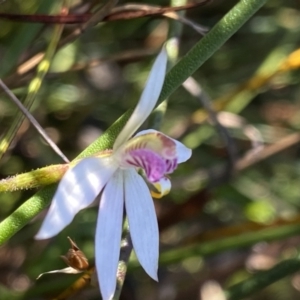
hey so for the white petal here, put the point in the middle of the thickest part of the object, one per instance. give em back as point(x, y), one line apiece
point(108, 234)
point(147, 101)
point(183, 152)
point(142, 222)
point(78, 189)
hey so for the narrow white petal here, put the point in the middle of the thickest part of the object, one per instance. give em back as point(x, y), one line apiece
point(183, 152)
point(78, 189)
point(108, 234)
point(147, 101)
point(142, 222)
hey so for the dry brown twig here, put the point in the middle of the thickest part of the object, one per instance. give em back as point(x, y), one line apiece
point(218, 175)
point(29, 64)
point(107, 13)
point(122, 12)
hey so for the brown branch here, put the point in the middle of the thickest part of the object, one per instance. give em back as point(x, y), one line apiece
point(266, 152)
point(124, 12)
point(108, 12)
point(24, 72)
point(218, 175)
point(30, 63)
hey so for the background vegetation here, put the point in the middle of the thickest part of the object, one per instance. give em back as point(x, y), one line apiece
point(230, 227)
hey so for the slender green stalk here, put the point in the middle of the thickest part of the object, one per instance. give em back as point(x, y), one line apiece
point(34, 179)
point(32, 120)
point(261, 280)
point(126, 248)
point(24, 213)
point(205, 48)
point(209, 44)
point(230, 243)
point(33, 89)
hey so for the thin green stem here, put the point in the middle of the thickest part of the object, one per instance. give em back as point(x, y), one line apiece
point(33, 121)
point(24, 213)
point(126, 248)
point(230, 243)
point(33, 89)
point(261, 280)
point(209, 44)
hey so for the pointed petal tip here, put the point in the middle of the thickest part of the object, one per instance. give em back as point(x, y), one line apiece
point(53, 224)
point(42, 235)
point(154, 275)
point(107, 297)
point(150, 268)
point(147, 100)
point(39, 237)
point(183, 153)
point(142, 222)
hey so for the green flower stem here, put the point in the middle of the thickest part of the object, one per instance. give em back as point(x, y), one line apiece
point(205, 48)
point(234, 242)
point(209, 44)
point(263, 279)
point(24, 213)
point(37, 178)
point(34, 179)
point(126, 248)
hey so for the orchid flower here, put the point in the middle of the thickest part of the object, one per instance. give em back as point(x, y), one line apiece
point(116, 175)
